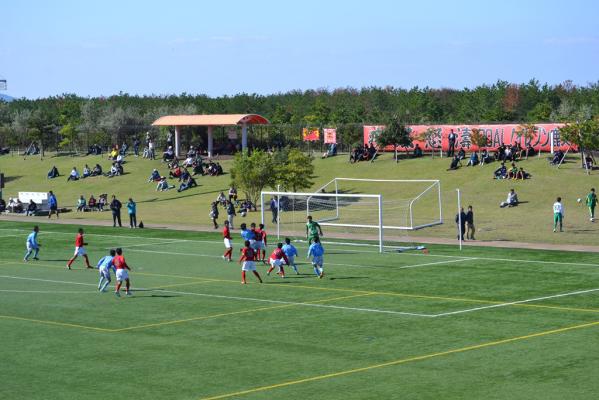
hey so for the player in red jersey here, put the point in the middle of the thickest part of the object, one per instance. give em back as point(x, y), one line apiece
point(276, 260)
point(228, 244)
point(122, 273)
point(248, 256)
point(79, 250)
point(263, 243)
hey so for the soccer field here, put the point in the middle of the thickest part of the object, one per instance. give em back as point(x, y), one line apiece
point(483, 323)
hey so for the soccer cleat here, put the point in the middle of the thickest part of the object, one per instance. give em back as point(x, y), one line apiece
point(69, 267)
point(36, 259)
point(243, 282)
point(554, 231)
point(117, 294)
point(321, 275)
point(128, 293)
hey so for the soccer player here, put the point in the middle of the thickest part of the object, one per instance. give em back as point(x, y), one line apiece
point(255, 240)
point(591, 203)
point(558, 215)
point(263, 243)
point(276, 260)
point(290, 251)
point(317, 251)
point(248, 256)
point(121, 273)
point(246, 234)
point(228, 245)
point(313, 230)
point(79, 250)
point(104, 266)
point(32, 245)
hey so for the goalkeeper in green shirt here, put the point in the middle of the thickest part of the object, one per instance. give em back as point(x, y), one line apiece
point(313, 230)
point(591, 203)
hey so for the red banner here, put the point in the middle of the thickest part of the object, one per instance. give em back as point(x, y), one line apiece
point(497, 134)
point(330, 135)
point(310, 134)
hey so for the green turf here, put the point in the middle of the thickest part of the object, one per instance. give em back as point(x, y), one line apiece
point(530, 222)
point(191, 331)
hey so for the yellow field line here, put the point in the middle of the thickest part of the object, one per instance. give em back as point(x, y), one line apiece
point(180, 321)
point(39, 321)
point(402, 361)
point(406, 295)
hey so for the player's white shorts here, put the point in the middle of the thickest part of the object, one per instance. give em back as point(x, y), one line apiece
point(122, 274)
point(80, 251)
point(228, 244)
point(317, 260)
point(248, 266)
point(276, 262)
point(105, 272)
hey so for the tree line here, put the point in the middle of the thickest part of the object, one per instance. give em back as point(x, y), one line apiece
point(71, 122)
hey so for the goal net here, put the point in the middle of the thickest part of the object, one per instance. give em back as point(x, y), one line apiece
point(351, 210)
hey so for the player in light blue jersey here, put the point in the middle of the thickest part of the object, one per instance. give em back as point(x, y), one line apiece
point(290, 251)
point(246, 234)
point(105, 265)
point(32, 245)
point(317, 251)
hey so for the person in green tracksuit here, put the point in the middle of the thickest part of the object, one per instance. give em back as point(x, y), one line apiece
point(313, 230)
point(591, 203)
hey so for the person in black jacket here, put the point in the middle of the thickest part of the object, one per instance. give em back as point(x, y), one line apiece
point(470, 224)
point(115, 207)
point(460, 219)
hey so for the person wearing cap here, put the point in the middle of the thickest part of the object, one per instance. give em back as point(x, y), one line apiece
point(155, 176)
point(168, 155)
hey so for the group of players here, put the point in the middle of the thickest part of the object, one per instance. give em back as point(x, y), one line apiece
point(254, 250)
point(115, 261)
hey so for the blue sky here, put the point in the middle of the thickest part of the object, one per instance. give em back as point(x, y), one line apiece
point(227, 47)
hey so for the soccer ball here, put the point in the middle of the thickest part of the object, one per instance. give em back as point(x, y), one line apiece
point(578, 200)
point(243, 213)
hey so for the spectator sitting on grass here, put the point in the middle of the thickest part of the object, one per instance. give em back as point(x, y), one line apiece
point(53, 173)
point(2, 205)
point(485, 158)
point(473, 159)
point(355, 155)
point(455, 163)
point(198, 168)
point(114, 171)
point(521, 174)
point(187, 183)
point(222, 199)
point(501, 172)
point(81, 203)
point(557, 157)
point(86, 171)
point(91, 203)
point(417, 151)
point(168, 155)
point(155, 176)
point(511, 201)
point(74, 175)
point(15, 205)
point(163, 185)
point(97, 171)
point(31, 208)
point(511, 174)
point(102, 201)
point(120, 159)
point(461, 153)
point(175, 172)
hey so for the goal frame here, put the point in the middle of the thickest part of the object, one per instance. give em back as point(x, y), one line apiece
point(432, 184)
point(308, 196)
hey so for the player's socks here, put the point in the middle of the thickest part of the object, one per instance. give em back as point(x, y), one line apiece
point(100, 283)
point(282, 272)
point(269, 270)
point(243, 277)
point(258, 276)
point(295, 269)
point(316, 271)
point(105, 286)
point(70, 263)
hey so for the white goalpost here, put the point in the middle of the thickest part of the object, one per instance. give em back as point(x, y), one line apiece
point(365, 209)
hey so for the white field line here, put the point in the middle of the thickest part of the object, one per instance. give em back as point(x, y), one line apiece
point(438, 263)
point(218, 296)
point(374, 252)
point(45, 291)
point(555, 296)
point(126, 246)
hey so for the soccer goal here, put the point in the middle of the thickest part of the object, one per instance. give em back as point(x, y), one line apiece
point(356, 214)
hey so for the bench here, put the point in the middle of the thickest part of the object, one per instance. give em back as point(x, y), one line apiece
point(39, 198)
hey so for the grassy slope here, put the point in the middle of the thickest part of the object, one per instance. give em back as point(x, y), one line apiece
point(216, 354)
point(528, 222)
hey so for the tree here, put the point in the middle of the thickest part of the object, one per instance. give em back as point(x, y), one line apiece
point(584, 134)
point(68, 135)
point(395, 134)
point(479, 139)
point(293, 169)
point(251, 173)
point(527, 131)
point(430, 136)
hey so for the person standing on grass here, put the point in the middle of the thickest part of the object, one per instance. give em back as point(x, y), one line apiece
point(230, 213)
point(131, 209)
point(104, 266)
point(591, 203)
point(228, 244)
point(290, 251)
point(313, 230)
point(52, 204)
point(470, 224)
point(263, 241)
point(32, 245)
point(274, 209)
point(248, 257)
point(79, 250)
point(121, 273)
point(115, 207)
point(317, 251)
point(460, 219)
point(214, 214)
point(558, 215)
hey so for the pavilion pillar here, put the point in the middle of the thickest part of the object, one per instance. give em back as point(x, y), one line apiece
point(177, 141)
point(244, 137)
point(210, 141)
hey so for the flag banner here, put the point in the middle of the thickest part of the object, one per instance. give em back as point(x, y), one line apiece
point(310, 134)
point(330, 136)
point(497, 134)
